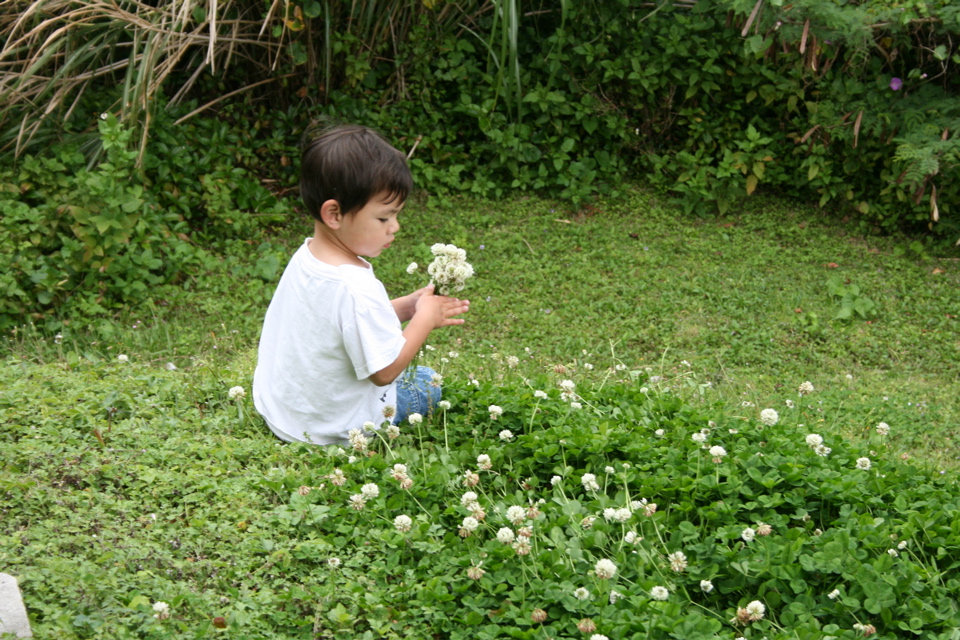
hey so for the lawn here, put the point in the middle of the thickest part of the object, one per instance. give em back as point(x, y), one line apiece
point(142, 481)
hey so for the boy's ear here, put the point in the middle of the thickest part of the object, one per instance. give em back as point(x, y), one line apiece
point(330, 214)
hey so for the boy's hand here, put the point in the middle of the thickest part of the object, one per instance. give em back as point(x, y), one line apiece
point(406, 306)
point(439, 310)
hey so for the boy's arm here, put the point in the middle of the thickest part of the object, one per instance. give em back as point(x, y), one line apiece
point(430, 312)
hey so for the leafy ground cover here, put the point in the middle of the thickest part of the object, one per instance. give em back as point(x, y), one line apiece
point(135, 482)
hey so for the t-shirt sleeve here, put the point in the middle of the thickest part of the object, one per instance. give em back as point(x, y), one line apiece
point(372, 335)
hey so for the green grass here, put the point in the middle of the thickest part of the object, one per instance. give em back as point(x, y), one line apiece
point(744, 298)
point(131, 483)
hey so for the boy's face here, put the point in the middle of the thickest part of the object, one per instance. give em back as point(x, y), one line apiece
point(371, 229)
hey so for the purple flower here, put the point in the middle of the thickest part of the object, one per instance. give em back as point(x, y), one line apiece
point(896, 84)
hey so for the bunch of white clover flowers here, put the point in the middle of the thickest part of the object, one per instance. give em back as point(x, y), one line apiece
point(449, 269)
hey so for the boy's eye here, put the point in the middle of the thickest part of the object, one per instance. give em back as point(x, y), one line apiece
point(383, 219)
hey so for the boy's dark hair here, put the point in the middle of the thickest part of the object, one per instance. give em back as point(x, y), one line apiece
point(351, 164)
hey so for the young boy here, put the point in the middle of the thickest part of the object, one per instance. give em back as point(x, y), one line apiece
point(332, 346)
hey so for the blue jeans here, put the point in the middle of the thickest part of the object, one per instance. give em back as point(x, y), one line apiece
point(415, 394)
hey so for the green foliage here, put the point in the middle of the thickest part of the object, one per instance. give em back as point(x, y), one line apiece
point(89, 239)
point(82, 239)
point(692, 100)
point(129, 485)
point(850, 300)
point(850, 105)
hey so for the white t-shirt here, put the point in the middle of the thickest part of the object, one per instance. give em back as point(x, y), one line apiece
point(326, 331)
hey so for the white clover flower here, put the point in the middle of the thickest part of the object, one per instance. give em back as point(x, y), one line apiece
point(516, 515)
point(369, 426)
point(576, 405)
point(412, 267)
point(522, 547)
point(599, 636)
point(659, 593)
point(505, 535)
point(609, 469)
point(748, 534)
point(756, 610)
point(589, 482)
point(468, 498)
point(617, 515)
point(506, 435)
point(555, 480)
point(834, 594)
point(542, 395)
point(605, 569)
point(814, 440)
point(357, 502)
point(644, 390)
point(415, 418)
point(699, 437)
point(123, 358)
point(370, 490)
point(393, 431)
point(630, 537)
point(883, 428)
point(403, 523)
point(512, 361)
point(389, 411)
point(483, 462)
point(103, 116)
point(470, 523)
point(678, 561)
point(893, 552)
point(581, 594)
point(449, 269)
point(805, 388)
point(236, 393)
point(789, 404)
point(649, 509)
point(444, 404)
point(567, 385)
point(769, 417)
point(614, 596)
point(706, 586)
point(333, 563)
point(717, 451)
point(588, 366)
point(162, 610)
point(822, 451)
point(902, 545)
point(746, 403)
point(495, 411)
point(351, 459)
point(863, 463)
point(171, 367)
point(659, 433)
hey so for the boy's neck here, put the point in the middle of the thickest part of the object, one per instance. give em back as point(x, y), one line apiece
point(325, 247)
